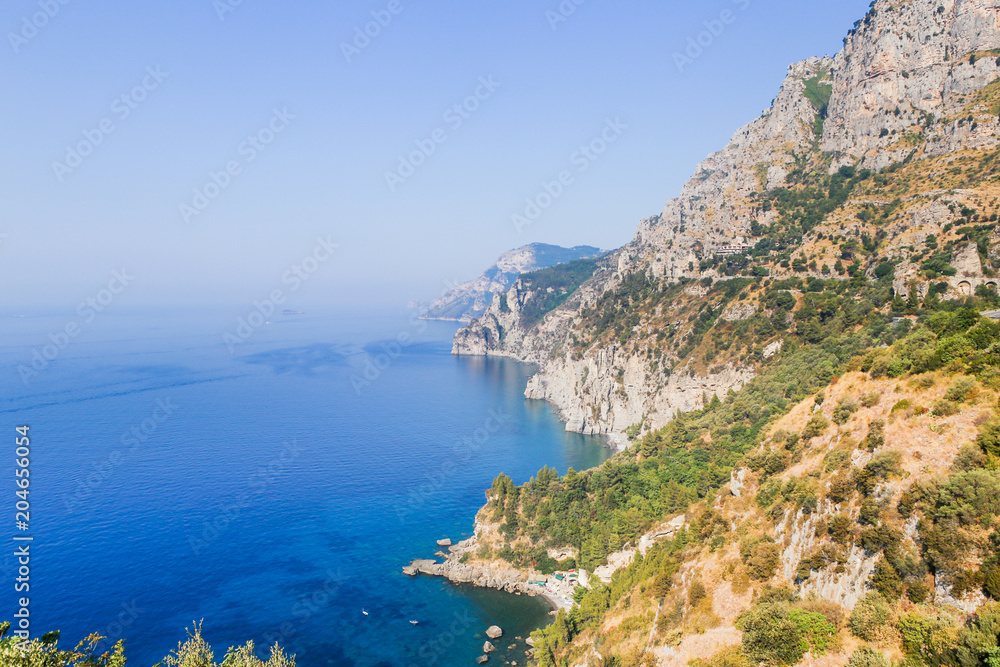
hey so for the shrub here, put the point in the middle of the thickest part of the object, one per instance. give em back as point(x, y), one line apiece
point(882, 466)
point(731, 656)
point(766, 496)
point(696, 593)
point(870, 513)
point(840, 529)
point(771, 636)
point(989, 437)
point(876, 435)
point(845, 408)
point(871, 399)
point(196, 652)
point(931, 638)
point(904, 404)
point(816, 630)
point(960, 390)
point(991, 582)
point(979, 641)
point(885, 579)
point(841, 488)
point(970, 457)
point(945, 408)
point(866, 656)
point(761, 559)
point(918, 592)
point(836, 459)
point(816, 427)
point(871, 617)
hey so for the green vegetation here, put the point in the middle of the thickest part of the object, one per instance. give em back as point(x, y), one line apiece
point(655, 570)
point(779, 629)
point(194, 652)
point(553, 286)
point(818, 91)
point(598, 511)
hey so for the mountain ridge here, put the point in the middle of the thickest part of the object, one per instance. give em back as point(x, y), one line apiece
point(831, 116)
point(469, 300)
point(802, 353)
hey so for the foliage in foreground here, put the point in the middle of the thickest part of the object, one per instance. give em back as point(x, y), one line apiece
point(193, 652)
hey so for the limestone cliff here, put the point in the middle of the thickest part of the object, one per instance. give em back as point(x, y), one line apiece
point(914, 95)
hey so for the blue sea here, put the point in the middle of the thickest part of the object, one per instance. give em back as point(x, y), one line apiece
point(270, 489)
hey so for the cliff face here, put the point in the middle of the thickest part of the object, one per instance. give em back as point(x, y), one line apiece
point(914, 57)
point(914, 88)
point(469, 300)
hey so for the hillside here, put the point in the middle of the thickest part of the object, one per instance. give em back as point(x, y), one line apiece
point(469, 300)
point(802, 350)
point(860, 515)
point(879, 165)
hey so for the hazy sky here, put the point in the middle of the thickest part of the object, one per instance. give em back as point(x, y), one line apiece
point(117, 114)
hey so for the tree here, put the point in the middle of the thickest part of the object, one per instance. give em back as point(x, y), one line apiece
point(44, 652)
point(196, 652)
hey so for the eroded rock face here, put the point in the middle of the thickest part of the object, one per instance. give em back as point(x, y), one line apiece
point(915, 57)
point(908, 69)
point(845, 585)
point(612, 390)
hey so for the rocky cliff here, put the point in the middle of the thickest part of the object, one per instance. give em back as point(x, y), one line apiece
point(913, 97)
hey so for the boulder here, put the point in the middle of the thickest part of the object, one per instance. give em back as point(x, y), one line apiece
point(483, 659)
point(422, 567)
point(494, 632)
point(529, 641)
point(444, 543)
point(489, 648)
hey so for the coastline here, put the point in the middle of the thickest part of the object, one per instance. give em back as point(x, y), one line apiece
point(496, 575)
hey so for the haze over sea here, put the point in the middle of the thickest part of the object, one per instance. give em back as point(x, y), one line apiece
point(150, 509)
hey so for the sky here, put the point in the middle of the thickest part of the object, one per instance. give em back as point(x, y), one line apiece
point(213, 152)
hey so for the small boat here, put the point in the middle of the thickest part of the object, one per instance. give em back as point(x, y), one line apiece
point(414, 623)
point(364, 612)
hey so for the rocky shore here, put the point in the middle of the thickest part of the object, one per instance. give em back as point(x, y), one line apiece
point(487, 575)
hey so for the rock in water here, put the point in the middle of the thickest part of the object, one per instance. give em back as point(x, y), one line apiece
point(483, 659)
point(444, 543)
point(488, 648)
point(494, 632)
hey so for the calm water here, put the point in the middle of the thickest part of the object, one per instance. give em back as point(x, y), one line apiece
point(274, 491)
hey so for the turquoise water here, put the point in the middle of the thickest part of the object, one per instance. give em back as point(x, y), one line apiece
point(274, 490)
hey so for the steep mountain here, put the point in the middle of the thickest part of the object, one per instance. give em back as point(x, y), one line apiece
point(881, 161)
point(802, 351)
point(469, 300)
